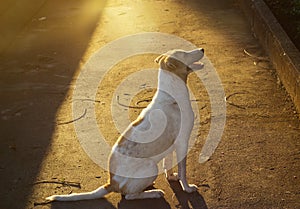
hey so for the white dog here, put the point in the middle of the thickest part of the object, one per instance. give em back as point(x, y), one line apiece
point(164, 126)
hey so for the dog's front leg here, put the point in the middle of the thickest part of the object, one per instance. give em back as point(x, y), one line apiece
point(168, 168)
point(181, 152)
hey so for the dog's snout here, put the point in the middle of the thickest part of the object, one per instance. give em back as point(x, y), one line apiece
point(202, 50)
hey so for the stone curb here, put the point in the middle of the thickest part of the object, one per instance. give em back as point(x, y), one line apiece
point(281, 50)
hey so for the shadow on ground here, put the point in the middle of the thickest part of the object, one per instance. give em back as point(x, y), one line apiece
point(104, 204)
point(186, 201)
point(36, 71)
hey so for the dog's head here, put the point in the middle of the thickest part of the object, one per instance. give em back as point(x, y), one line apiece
point(181, 62)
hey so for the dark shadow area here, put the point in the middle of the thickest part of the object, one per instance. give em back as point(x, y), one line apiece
point(287, 13)
point(218, 14)
point(160, 203)
point(35, 75)
point(14, 14)
point(186, 200)
point(90, 204)
point(144, 203)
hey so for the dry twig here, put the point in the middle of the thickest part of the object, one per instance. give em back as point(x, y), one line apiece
point(148, 100)
point(233, 104)
point(260, 58)
point(71, 121)
point(128, 106)
point(64, 183)
point(42, 203)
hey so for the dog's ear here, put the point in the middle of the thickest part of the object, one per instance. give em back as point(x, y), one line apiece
point(166, 61)
point(159, 58)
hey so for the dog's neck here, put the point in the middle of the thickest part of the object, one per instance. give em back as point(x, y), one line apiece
point(171, 84)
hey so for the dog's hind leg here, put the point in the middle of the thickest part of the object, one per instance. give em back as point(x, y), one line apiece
point(142, 173)
point(97, 193)
point(154, 193)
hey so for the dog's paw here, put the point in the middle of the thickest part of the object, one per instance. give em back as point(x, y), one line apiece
point(172, 177)
point(191, 188)
point(51, 198)
point(158, 193)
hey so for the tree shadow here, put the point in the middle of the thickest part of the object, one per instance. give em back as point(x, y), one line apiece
point(187, 200)
point(36, 71)
point(90, 204)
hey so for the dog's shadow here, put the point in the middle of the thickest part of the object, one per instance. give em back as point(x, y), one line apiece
point(187, 200)
point(160, 203)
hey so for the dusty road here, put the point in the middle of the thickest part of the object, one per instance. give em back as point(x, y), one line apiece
point(257, 163)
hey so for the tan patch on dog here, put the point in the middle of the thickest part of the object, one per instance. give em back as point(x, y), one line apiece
point(174, 66)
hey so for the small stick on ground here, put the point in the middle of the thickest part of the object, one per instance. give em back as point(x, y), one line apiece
point(148, 100)
point(64, 183)
point(89, 100)
point(144, 100)
point(42, 203)
point(72, 121)
point(233, 104)
point(128, 106)
point(260, 58)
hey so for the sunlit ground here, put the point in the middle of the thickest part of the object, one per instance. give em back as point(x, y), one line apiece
point(39, 71)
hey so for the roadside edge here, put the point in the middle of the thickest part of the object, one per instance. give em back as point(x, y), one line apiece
point(283, 53)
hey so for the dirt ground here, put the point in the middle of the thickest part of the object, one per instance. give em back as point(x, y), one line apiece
point(257, 163)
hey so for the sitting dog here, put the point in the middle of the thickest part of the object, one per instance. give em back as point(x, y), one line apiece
point(162, 127)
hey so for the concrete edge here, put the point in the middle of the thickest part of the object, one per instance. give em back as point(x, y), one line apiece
point(283, 53)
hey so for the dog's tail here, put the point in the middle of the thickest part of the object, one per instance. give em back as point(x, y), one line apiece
point(97, 193)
